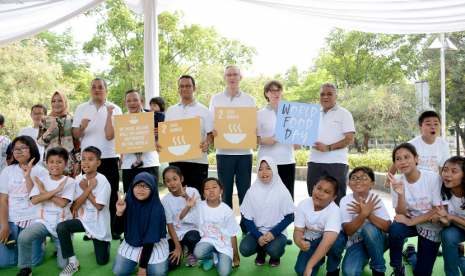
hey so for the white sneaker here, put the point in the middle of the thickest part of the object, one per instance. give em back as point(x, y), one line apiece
point(70, 269)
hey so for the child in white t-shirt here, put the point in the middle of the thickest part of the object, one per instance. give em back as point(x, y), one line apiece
point(16, 181)
point(217, 226)
point(38, 112)
point(366, 221)
point(317, 230)
point(415, 213)
point(92, 199)
point(53, 196)
point(180, 233)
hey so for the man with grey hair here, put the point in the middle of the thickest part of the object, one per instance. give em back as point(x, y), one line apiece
point(93, 124)
point(335, 133)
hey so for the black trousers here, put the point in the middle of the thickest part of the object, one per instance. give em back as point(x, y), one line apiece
point(64, 231)
point(287, 174)
point(194, 173)
point(109, 168)
point(338, 171)
point(190, 240)
point(130, 174)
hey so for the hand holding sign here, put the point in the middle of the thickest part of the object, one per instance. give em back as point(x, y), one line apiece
point(297, 123)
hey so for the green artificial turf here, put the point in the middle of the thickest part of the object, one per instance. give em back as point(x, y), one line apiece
point(85, 253)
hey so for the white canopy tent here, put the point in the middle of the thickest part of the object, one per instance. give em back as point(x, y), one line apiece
point(20, 19)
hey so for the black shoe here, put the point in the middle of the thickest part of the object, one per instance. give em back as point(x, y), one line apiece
point(409, 251)
point(25, 272)
point(86, 238)
point(261, 258)
point(377, 273)
point(116, 237)
point(334, 273)
point(398, 271)
point(289, 241)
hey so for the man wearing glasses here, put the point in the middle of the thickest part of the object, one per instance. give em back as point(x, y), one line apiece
point(335, 133)
point(233, 162)
point(194, 171)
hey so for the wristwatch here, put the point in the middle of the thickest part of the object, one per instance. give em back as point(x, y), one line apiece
point(329, 147)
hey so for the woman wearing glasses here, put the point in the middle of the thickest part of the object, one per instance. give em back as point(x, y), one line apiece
point(55, 130)
point(282, 153)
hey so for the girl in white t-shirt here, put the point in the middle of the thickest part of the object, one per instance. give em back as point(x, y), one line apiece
point(217, 226)
point(415, 213)
point(16, 182)
point(180, 233)
point(452, 216)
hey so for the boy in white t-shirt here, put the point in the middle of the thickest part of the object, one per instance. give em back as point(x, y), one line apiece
point(53, 196)
point(432, 150)
point(38, 112)
point(92, 199)
point(317, 230)
point(366, 221)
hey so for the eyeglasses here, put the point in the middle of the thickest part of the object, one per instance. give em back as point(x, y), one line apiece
point(355, 178)
point(37, 114)
point(275, 91)
point(142, 186)
point(188, 86)
point(22, 149)
point(232, 75)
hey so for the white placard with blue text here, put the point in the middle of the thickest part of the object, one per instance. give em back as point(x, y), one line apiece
point(297, 123)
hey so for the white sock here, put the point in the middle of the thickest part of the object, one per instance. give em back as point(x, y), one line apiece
point(73, 259)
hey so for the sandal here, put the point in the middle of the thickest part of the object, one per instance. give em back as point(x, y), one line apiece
point(137, 165)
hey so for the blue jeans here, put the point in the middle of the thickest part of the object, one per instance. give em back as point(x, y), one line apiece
point(426, 253)
point(36, 231)
point(204, 251)
point(123, 267)
point(239, 166)
point(334, 255)
point(369, 248)
point(276, 248)
point(451, 236)
point(9, 258)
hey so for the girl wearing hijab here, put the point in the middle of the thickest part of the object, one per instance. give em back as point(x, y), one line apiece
point(140, 215)
point(55, 130)
point(268, 209)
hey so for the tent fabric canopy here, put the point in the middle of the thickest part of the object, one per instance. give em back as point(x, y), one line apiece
point(20, 19)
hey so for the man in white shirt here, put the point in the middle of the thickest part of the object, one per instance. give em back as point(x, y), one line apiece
point(194, 171)
point(38, 112)
point(233, 162)
point(335, 133)
point(93, 124)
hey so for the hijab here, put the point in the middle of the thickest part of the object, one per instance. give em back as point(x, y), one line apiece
point(65, 105)
point(145, 220)
point(267, 204)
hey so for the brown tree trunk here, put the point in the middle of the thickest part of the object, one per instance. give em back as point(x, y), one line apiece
point(366, 137)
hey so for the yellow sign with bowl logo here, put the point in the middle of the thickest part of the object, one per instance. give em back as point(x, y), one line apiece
point(134, 133)
point(180, 140)
point(236, 127)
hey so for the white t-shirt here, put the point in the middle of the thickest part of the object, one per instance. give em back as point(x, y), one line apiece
point(282, 153)
point(224, 99)
point(431, 156)
point(33, 133)
point(382, 213)
point(94, 134)
point(173, 207)
point(47, 212)
point(421, 197)
point(195, 109)
point(216, 225)
point(331, 129)
point(316, 223)
point(13, 184)
point(96, 223)
point(159, 254)
point(454, 205)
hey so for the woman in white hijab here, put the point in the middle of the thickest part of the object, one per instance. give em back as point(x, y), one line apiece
point(268, 209)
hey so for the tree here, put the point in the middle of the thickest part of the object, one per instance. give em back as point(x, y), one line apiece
point(357, 57)
point(307, 91)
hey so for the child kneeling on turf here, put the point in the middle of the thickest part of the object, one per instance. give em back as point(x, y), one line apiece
point(53, 195)
point(317, 230)
point(366, 221)
point(92, 206)
point(267, 209)
point(217, 226)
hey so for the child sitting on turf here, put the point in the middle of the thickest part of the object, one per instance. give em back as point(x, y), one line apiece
point(317, 230)
point(366, 221)
point(140, 215)
point(268, 209)
point(92, 199)
point(452, 216)
point(16, 181)
point(414, 205)
point(217, 226)
point(53, 195)
point(6, 154)
point(180, 233)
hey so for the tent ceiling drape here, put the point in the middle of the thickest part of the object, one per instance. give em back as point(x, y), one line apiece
point(20, 19)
